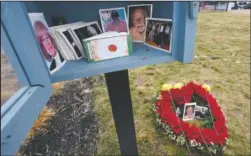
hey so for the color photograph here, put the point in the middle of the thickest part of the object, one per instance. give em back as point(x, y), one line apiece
point(113, 19)
point(189, 111)
point(158, 33)
point(50, 51)
point(137, 15)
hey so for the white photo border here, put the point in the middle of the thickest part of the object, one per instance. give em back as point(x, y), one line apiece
point(197, 106)
point(128, 16)
point(171, 34)
point(59, 52)
point(61, 32)
point(186, 105)
point(102, 23)
point(82, 26)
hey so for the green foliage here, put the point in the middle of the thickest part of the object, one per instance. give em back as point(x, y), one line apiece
point(199, 101)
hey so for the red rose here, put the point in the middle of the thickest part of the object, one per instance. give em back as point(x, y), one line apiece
point(193, 133)
point(183, 95)
point(172, 119)
point(185, 126)
point(219, 139)
point(166, 95)
point(176, 129)
point(201, 91)
point(221, 128)
point(178, 96)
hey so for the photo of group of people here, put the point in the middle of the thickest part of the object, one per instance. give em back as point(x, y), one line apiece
point(138, 21)
point(190, 111)
point(158, 33)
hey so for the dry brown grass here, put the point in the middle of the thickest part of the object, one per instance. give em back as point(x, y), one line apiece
point(45, 115)
point(39, 125)
point(57, 87)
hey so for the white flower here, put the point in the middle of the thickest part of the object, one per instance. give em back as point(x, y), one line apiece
point(214, 151)
point(193, 143)
point(162, 124)
point(200, 147)
point(173, 137)
point(159, 97)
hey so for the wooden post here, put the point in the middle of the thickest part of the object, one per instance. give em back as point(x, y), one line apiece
point(120, 99)
point(227, 6)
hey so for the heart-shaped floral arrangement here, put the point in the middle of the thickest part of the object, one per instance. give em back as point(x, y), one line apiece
point(208, 136)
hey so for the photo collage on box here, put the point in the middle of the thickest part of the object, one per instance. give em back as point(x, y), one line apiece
point(68, 41)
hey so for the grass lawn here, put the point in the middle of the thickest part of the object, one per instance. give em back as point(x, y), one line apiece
point(222, 60)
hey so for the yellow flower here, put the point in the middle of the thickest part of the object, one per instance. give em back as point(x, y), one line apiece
point(166, 87)
point(178, 85)
point(207, 87)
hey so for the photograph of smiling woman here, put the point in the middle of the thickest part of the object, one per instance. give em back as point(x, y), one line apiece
point(49, 49)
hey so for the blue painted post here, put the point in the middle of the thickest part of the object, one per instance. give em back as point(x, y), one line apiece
point(22, 109)
point(184, 30)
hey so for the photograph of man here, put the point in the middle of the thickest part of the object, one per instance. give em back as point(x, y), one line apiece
point(113, 20)
point(137, 15)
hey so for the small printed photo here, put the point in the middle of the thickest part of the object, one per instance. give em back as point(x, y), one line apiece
point(179, 111)
point(49, 48)
point(137, 15)
point(201, 112)
point(86, 31)
point(158, 33)
point(72, 44)
point(189, 111)
point(113, 19)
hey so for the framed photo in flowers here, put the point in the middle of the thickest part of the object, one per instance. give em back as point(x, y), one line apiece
point(189, 111)
point(201, 112)
point(211, 133)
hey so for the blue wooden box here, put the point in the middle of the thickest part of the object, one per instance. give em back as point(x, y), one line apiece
point(184, 28)
point(20, 45)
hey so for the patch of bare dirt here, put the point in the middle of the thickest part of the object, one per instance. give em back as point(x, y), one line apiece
point(73, 130)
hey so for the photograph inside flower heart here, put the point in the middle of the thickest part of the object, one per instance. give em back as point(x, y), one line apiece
point(209, 128)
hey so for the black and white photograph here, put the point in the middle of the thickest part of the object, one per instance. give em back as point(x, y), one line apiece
point(73, 43)
point(62, 41)
point(137, 15)
point(84, 31)
point(113, 19)
point(158, 33)
point(179, 110)
point(69, 44)
point(189, 111)
point(201, 112)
